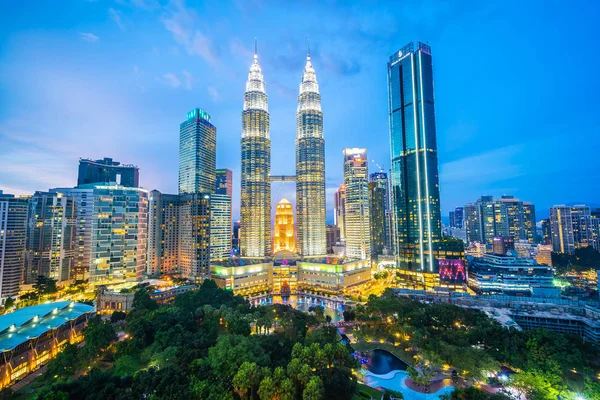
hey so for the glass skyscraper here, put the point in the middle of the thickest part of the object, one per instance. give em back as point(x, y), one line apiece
point(13, 233)
point(255, 239)
point(197, 153)
point(358, 225)
point(414, 173)
point(310, 167)
point(378, 203)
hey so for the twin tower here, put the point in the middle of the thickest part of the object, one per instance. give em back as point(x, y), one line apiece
point(255, 235)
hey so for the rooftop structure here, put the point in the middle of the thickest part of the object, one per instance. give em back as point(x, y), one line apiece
point(32, 336)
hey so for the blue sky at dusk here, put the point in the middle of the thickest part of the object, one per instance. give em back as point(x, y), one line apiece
point(516, 86)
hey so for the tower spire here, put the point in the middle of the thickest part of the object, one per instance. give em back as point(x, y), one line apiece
point(308, 49)
point(255, 49)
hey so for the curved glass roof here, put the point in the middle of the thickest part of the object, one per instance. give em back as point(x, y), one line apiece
point(31, 322)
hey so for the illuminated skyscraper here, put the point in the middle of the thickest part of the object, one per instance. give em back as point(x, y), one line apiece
point(561, 224)
point(255, 239)
point(13, 233)
point(339, 210)
point(414, 178)
point(283, 231)
point(51, 223)
point(358, 226)
point(220, 226)
point(378, 203)
point(197, 153)
point(310, 167)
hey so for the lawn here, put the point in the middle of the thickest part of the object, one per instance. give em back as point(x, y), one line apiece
point(365, 392)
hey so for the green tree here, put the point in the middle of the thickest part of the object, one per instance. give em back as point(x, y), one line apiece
point(45, 285)
point(142, 301)
point(246, 379)
point(8, 303)
point(267, 389)
point(313, 389)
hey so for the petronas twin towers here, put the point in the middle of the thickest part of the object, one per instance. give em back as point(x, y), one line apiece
point(255, 236)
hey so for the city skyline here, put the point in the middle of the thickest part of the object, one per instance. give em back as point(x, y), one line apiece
point(181, 65)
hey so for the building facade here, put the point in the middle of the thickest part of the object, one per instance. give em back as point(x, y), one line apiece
point(163, 233)
point(339, 211)
point(220, 226)
point(224, 182)
point(561, 226)
point(510, 275)
point(13, 233)
point(414, 174)
point(83, 197)
point(283, 230)
point(490, 218)
point(378, 212)
point(456, 218)
point(197, 153)
point(358, 224)
point(255, 235)
point(107, 170)
point(51, 226)
point(119, 234)
point(310, 167)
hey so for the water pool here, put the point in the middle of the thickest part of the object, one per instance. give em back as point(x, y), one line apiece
point(394, 380)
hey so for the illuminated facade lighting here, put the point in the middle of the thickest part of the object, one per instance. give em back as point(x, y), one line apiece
point(197, 153)
point(358, 225)
point(283, 232)
point(310, 167)
point(414, 172)
point(255, 236)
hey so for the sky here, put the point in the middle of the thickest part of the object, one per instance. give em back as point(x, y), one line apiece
point(516, 88)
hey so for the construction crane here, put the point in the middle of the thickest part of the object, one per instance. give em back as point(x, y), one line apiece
point(378, 166)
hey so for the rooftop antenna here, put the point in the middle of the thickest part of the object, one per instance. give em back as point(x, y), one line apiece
point(308, 49)
point(255, 48)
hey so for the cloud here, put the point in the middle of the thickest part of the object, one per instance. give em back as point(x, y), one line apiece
point(147, 5)
point(500, 165)
point(116, 17)
point(180, 23)
point(89, 37)
point(171, 80)
point(188, 80)
point(214, 94)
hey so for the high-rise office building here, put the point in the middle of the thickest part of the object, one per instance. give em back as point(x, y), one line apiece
point(333, 238)
point(489, 218)
point(194, 235)
point(356, 179)
point(180, 233)
point(414, 173)
point(13, 232)
point(197, 153)
point(456, 218)
point(310, 167)
point(561, 225)
point(119, 234)
point(339, 210)
point(582, 226)
point(225, 187)
point(51, 229)
point(106, 171)
point(220, 226)
point(163, 233)
point(224, 181)
point(546, 231)
point(235, 241)
point(378, 203)
point(255, 238)
point(283, 230)
point(83, 196)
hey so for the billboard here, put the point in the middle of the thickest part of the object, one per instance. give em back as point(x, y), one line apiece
point(452, 271)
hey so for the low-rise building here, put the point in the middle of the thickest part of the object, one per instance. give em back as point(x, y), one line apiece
point(30, 337)
point(510, 275)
